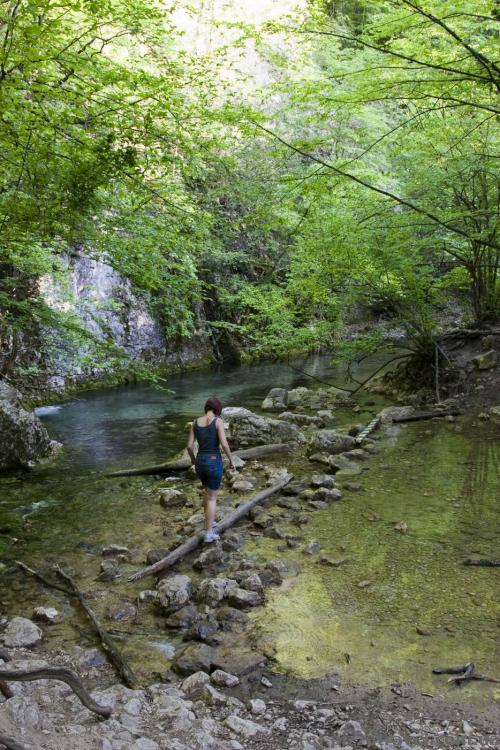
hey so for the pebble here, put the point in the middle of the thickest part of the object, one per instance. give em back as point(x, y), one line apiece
point(265, 682)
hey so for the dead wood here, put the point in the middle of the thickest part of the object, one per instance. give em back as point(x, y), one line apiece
point(121, 666)
point(63, 675)
point(192, 543)
point(42, 579)
point(483, 563)
point(112, 653)
point(464, 673)
point(183, 464)
point(427, 415)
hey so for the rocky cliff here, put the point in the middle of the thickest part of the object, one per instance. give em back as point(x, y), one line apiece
point(105, 305)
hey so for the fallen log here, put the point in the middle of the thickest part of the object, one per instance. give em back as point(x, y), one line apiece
point(464, 673)
point(121, 666)
point(192, 543)
point(112, 653)
point(183, 464)
point(63, 675)
point(427, 415)
point(42, 579)
point(483, 563)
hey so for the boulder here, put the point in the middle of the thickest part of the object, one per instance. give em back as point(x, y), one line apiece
point(248, 429)
point(197, 657)
point(21, 633)
point(298, 395)
point(276, 400)
point(211, 591)
point(174, 593)
point(252, 582)
point(241, 485)
point(224, 679)
point(331, 442)
point(155, 555)
point(343, 466)
point(170, 498)
point(212, 556)
point(486, 361)
point(327, 495)
point(243, 598)
point(212, 696)
point(323, 480)
point(184, 618)
point(23, 438)
point(193, 685)
point(230, 616)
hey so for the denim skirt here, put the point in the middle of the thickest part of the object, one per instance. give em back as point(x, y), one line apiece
point(209, 469)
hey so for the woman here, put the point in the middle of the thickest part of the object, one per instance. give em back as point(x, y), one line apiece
point(208, 431)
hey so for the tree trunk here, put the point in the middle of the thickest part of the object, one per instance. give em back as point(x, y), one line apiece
point(192, 543)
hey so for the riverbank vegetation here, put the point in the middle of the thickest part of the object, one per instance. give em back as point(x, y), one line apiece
point(328, 158)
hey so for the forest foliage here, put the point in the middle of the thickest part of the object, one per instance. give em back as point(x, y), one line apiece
point(363, 176)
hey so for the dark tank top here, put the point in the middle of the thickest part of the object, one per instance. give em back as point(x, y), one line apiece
point(207, 437)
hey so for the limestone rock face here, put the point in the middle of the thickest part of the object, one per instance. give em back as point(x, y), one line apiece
point(248, 429)
point(23, 438)
point(329, 441)
point(21, 633)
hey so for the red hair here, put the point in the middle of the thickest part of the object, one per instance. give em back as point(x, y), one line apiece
point(213, 404)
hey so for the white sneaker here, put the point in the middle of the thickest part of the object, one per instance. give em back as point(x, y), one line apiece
point(211, 536)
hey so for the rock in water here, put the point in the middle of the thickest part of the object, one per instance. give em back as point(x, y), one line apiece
point(170, 498)
point(23, 438)
point(276, 400)
point(21, 633)
point(329, 441)
point(174, 593)
point(46, 614)
point(248, 429)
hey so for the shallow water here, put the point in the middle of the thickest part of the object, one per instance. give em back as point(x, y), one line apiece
point(443, 483)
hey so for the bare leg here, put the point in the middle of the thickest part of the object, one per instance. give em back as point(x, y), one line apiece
point(210, 507)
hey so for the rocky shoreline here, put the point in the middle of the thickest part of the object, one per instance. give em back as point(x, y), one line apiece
point(222, 690)
point(223, 712)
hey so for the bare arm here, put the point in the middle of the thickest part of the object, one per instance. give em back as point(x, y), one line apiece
point(223, 441)
point(190, 444)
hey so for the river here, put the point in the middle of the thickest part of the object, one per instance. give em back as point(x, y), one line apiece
point(440, 478)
